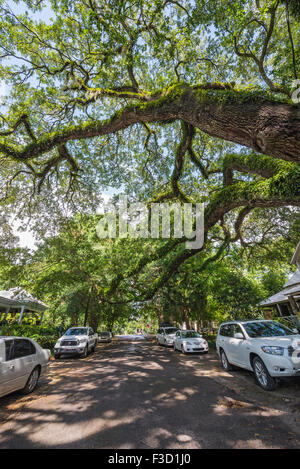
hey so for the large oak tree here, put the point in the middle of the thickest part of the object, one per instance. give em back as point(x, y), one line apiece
point(187, 100)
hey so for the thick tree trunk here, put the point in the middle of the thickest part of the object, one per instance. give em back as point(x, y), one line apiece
point(249, 119)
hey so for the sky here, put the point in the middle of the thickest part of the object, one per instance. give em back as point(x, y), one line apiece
point(2, 89)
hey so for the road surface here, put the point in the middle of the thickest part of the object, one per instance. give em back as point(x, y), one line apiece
point(134, 394)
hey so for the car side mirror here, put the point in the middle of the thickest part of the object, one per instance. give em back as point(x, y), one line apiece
point(238, 335)
point(295, 330)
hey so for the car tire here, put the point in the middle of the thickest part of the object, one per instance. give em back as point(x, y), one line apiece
point(174, 347)
point(262, 375)
point(94, 348)
point(32, 381)
point(56, 356)
point(225, 363)
point(85, 352)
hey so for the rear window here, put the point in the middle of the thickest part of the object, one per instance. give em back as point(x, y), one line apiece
point(23, 348)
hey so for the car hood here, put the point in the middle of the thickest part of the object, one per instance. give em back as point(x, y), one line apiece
point(286, 342)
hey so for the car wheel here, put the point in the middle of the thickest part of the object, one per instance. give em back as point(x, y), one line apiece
point(31, 382)
point(174, 347)
point(85, 352)
point(157, 343)
point(225, 363)
point(56, 356)
point(94, 347)
point(262, 375)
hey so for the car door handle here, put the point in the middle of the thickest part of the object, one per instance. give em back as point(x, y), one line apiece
point(12, 367)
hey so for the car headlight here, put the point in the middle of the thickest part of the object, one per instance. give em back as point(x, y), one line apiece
point(81, 341)
point(187, 343)
point(273, 350)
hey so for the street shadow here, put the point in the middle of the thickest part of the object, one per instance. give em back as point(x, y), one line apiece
point(139, 395)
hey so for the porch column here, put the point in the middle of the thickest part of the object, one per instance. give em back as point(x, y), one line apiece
point(6, 313)
point(293, 304)
point(279, 309)
point(21, 314)
point(42, 316)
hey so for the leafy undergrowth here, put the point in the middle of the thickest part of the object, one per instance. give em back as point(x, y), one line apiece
point(45, 336)
point(211, 339)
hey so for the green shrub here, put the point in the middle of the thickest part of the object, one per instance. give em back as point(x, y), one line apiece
point(45, 336)
point(211, 340)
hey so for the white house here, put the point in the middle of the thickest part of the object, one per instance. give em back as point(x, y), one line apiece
point(16, 304)
point(287, 301)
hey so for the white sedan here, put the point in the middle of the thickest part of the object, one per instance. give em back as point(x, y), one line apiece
point(22, 362)
point(190, 341)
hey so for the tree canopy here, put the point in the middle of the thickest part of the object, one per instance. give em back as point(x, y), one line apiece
point(164, 100)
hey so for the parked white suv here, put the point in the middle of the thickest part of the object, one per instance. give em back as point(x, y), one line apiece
point(268, 348)
point(166, 335)
point(22, 362)
point(79, 340)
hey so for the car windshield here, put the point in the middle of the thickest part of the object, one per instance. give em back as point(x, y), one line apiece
point(189, 334)
point(104, 334)
point(171, 330)
point(77, 331)
point(267, 329)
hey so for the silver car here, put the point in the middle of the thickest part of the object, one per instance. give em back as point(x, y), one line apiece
point(22, 362)
point(76, 340)
point(165, 336)
point(104, 337)
point(190, 341)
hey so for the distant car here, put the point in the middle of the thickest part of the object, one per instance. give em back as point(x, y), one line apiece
point(104, 337)
point(268, 348)
point(190, 341)
point(77, 340)
point(22, 362)
point(165, 336)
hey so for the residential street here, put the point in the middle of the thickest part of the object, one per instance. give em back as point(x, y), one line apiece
point(135, 394)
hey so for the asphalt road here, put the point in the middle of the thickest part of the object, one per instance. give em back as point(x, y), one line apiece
point(135, 394)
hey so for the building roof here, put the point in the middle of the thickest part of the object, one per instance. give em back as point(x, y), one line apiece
point(292, 286)
point(294, 280)
point(282, 296)
point(296, 256)
point(17, 297)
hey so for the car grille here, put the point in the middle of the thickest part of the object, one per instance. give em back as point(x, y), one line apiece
point(71, 343)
